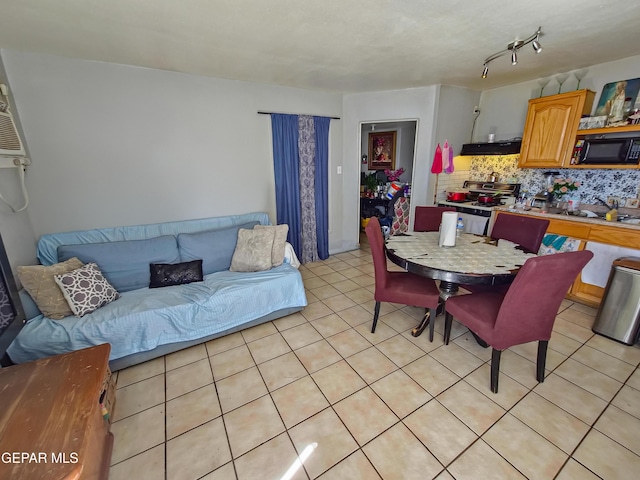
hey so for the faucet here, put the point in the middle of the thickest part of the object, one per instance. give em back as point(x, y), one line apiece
point(614, 204)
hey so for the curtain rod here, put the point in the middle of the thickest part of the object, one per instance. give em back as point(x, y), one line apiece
point(269, 113)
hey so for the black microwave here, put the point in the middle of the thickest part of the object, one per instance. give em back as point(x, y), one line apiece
point(609, 151)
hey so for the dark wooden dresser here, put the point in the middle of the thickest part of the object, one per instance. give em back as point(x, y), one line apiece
point(51, 420)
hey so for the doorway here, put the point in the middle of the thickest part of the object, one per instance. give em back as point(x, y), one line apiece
point(373, 180)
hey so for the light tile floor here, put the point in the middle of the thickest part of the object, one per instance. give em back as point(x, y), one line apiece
point(318, 385)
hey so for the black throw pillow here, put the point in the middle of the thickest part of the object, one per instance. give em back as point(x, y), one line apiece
point(167, 274)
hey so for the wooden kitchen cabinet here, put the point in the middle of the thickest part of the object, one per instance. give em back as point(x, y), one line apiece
point(551, 127)
point(51, 423)
point(602, 232)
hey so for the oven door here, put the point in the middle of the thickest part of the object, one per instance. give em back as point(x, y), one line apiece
point(474, 223)
point(476, 220)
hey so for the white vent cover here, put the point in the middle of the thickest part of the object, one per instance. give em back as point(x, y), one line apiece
point(10, 143)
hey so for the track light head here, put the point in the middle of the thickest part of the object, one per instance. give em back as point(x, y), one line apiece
point(512, 48)
point(536, 46)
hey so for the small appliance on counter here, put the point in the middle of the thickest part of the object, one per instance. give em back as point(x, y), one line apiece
point(541, 198)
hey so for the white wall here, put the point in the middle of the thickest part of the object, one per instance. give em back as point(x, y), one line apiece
point(17, 234)
point(454, 121)
point(503, 111)
point(119, 145)
point(379, 107)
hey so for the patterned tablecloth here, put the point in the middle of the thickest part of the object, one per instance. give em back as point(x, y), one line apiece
point(472, 254)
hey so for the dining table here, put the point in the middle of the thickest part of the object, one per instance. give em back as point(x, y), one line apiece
point(474, 260)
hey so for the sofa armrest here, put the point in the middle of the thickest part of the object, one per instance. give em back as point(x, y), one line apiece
point(28, 305)
point(290, 256)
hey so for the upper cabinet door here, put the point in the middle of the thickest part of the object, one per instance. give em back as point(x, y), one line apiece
point(550, 129)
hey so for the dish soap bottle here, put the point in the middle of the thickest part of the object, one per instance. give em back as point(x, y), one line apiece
point(459, 227)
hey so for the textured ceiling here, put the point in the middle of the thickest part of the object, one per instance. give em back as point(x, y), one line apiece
point(332, 45)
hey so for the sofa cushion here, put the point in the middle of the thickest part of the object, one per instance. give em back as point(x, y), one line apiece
point(39, 283)
point(125, 264)
point(279, 242)
point(214, 247)
point(86, 289)
point(167, 274)
point(253, 251)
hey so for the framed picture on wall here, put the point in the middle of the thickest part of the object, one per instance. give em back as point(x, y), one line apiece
point(617, 99)
point(382, 150)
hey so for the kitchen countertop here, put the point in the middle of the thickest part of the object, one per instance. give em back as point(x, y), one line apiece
point(537, 212)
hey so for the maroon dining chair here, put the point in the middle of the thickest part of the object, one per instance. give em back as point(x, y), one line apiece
point(527, 232)
point(428, 219)
point(399, 287)
point(527, 311)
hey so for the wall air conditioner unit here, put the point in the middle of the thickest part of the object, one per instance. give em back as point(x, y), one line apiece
point(10, 144)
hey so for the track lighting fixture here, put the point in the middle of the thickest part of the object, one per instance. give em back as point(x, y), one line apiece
point(513, 48)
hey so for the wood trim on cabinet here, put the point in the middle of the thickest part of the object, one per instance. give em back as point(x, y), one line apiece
point(622, 237)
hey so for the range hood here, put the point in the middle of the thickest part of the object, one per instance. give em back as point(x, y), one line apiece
point(507, 147)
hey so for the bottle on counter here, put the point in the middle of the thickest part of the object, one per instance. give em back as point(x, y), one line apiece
point(459, 227)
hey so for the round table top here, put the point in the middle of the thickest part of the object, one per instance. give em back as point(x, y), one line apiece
point(474, 259)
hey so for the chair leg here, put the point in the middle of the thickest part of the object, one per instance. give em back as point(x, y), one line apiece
point(542, 359)
point(495, 369)
point(432, 322)
point(448, 320)
point(376, 312)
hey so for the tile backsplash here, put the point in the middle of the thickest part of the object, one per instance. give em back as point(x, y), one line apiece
point(594, 182)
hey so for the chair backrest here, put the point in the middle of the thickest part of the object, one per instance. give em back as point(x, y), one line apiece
point(527, 232)
point(428, 219)
point(376, 242)
point(529, 308)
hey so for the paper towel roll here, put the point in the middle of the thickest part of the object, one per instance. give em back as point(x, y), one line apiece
point(448, 229)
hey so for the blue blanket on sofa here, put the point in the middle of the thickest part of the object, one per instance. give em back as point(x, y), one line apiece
point(143, 318)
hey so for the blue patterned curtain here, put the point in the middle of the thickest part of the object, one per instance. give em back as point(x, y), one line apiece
point(301, 175)
point(307, 151)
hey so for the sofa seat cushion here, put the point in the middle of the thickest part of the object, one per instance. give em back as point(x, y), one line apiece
point(214, 247)
point(143, 319)
point(125, 264)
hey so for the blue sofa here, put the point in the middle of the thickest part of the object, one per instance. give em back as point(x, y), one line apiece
point(147, 323)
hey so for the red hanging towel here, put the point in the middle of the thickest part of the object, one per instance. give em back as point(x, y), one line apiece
point(436, 167)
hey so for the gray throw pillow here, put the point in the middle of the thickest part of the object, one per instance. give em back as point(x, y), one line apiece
point(253, 250)
point(279, 242)
point(86, 289)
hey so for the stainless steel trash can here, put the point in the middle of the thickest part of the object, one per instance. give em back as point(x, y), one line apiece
point(618, 317)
